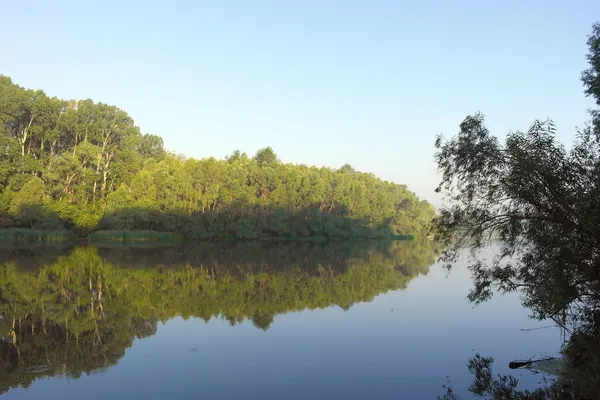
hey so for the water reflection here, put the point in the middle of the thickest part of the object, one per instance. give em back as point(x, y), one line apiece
point(77, 310)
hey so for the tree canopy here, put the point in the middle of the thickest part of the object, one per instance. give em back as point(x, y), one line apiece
point(90, 165)
point(542, 201)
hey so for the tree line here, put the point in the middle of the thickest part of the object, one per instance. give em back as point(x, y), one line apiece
point(79, 311)
point(82, 165)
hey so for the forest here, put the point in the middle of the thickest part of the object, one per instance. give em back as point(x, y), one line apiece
point(84, 166)
point(78, 311)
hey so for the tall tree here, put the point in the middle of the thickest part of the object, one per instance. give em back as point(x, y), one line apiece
point(543, 202)
point(96, 167)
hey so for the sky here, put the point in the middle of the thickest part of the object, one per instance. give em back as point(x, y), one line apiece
point(323, 82)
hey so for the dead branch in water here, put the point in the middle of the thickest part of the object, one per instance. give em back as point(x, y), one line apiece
point(520, 364)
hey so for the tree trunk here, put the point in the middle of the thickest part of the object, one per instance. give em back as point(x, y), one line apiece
point(105, 171)
point(25, 134)
point(107, 158)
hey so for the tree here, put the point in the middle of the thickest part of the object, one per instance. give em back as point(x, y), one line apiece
point(266, 156)
point(32, 192)
point(347, 168)
point(591, 76)
point(235, 156)
point(543, 202)
point(94, 163)
point(151, 146)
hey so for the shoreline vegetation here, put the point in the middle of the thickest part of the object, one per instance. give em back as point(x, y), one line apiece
point(83, 166)
point(23, 236)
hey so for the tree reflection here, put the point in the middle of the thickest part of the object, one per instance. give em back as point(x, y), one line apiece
point(79, 312)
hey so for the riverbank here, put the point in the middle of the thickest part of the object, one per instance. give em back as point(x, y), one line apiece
point(22, 235)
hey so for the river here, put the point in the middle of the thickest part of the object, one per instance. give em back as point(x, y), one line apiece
point(368, 320)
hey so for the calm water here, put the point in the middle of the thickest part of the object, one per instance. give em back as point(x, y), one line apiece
point(345, 320)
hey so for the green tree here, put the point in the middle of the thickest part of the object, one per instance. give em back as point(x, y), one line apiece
point(236, 156)
point(96, 167)
point(266, 156)
point(542, 201)
point(591, 76)
point(151, 146)
point(29, 197)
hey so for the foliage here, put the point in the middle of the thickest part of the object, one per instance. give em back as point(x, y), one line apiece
point(80, 311)
point(90, 166)
point(542, 201)
point(591, 76)
point(583, 356)
point(266, 157)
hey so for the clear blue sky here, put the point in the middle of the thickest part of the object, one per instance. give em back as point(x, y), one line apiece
point(323, 82)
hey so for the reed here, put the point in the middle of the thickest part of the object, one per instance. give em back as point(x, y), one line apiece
point(35, 235)
point(134, 237)
point(402, 237)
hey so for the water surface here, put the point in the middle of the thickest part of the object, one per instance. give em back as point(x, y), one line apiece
point(224, 321)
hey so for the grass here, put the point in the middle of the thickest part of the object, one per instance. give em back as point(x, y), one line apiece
point(18, 235)
point(134, 237)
